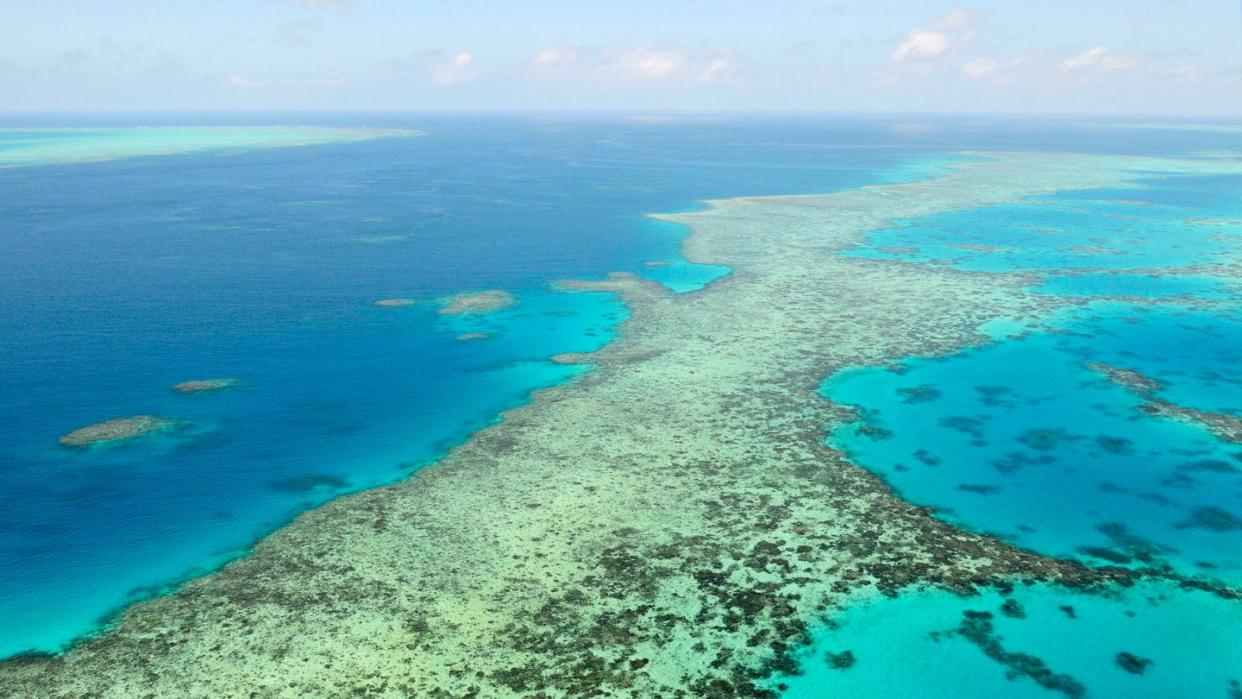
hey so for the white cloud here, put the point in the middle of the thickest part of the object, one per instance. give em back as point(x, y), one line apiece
point(980, 68)
point(717, 69)
point(651, 63)
point(645, 63)
point(921, 43)
point(457, 69)
point(555, 56)
point(938, 37)
point(1100, 59)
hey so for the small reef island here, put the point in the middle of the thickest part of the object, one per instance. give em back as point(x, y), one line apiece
point(673, 523)
point(396, 303)
point(204, 385)
point(114, 430)
point(478, 302)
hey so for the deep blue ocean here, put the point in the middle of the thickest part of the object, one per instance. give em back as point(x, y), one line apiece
point(119, 279)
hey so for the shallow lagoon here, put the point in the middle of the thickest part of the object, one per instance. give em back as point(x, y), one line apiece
point(1173, 222)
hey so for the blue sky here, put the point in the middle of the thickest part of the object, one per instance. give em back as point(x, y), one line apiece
point(1160, 57)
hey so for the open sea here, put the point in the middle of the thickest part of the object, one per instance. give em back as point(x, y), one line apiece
point(122, 277)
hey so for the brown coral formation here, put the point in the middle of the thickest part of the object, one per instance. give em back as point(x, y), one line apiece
point(114, 430)
point(204, 385)
point(572, 358)
point(479, 302)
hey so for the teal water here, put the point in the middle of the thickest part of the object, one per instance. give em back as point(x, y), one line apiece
point(1020, 438)
point(924, 644)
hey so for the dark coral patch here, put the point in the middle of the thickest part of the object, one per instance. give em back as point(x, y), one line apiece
point(1047, 439)
point(919, 394)
point(1132, 663)
point(1012, 608)
point(977, 488)
point(1213, 519)
point(840, 661)
point(977, 628)
point(972, 426)
point(305, 484)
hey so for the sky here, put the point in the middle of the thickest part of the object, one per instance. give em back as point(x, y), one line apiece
point(1172, 58)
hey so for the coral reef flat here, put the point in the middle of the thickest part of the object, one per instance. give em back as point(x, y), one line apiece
point(114, 430)
point(669, 524)
point(478, 302)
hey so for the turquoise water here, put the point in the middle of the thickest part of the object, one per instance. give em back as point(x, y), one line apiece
point(923, 644)
point(1134, 285)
